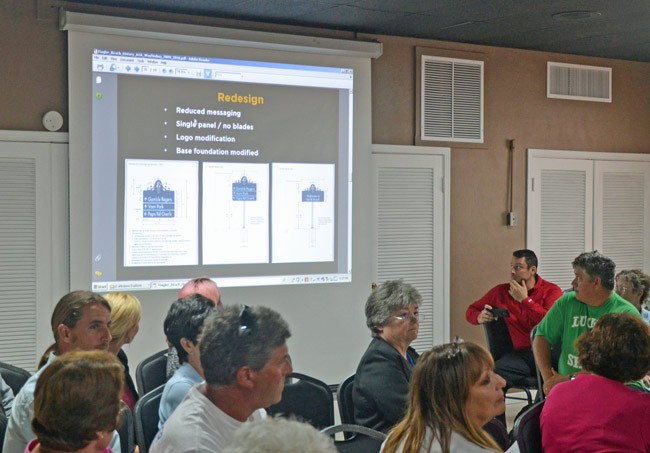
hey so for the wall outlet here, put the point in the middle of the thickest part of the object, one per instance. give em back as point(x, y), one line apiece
point(511, 219)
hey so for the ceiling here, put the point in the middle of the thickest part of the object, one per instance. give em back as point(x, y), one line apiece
point(602, 28)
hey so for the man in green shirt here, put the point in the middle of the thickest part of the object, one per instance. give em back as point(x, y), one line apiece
point(576, 312)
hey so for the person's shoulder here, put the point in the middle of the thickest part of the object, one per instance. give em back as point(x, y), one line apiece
point(25, 396)
point(458, 444)
point(548, 284)
point(620, 305)
point(498, 289)
point(565, 299)
point(185, 376)
point(376, 347)
point(180, 444)
point(560, 305)
point(381, 349)
point(121, 356)
point(378, 358)
point(645, 314)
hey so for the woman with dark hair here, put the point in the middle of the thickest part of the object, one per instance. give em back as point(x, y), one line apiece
point(76, 403)
point(454, 391)
point(382, 377)
point(596, 411)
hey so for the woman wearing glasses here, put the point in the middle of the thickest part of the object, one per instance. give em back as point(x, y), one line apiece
point(454, 391)
point(634, 286)
point(382, 377)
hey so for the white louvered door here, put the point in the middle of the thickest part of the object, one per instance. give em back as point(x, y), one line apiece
point(411, 235)
point(34, 267)
point(621, 212)
point(560, 212)
point(577, 205)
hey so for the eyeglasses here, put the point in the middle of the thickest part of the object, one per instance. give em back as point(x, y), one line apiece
point(518, 267)
point(246, 320)
point(411, 316)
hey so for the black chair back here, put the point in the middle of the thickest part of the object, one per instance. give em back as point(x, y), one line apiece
point(498, 432)
point(126, 430)
point(151, 372)
point(362, 440)
point(344, 400)
point(499, 343)
point(307, 399)
point(146, 418)
point(498, 338)
point(526, 430)
point(14, 376)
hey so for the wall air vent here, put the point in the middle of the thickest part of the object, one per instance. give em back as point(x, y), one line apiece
point(452, 100)
point(578, 82)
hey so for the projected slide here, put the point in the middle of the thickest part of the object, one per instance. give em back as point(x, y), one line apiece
point(236, 170)
point(160, 213)
point(303, 212)
point(235, 213)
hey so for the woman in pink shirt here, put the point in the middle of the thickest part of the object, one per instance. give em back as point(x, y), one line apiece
point(595, 411)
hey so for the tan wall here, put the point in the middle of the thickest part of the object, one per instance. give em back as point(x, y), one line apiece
point(33, 79)
point(516, 107)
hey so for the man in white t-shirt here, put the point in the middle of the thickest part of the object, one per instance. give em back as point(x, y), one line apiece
point(245, 360)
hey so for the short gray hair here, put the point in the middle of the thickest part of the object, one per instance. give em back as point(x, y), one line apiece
point(595, 264)
point(385, 299)
point(225, 347)
point(273, 435)
point(639, 281)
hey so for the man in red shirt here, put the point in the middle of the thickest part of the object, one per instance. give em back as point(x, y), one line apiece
point(527, 298)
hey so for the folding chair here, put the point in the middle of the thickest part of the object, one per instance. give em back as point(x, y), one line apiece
point(146, 418)
point(151, 372)
point(126, 429)
point(498, 432)
point(499, 343)
point(344, 400)
point(308, 399)
point(526, 430)
point(14, 376)
point(361, 440)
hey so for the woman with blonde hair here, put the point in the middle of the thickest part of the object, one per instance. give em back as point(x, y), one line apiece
point(453, 392)
point(126, 312)
point(77, 403)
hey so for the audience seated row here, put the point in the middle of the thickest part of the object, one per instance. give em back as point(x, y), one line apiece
point(241, 361)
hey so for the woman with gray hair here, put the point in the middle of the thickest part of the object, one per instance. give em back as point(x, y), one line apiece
point(381, 382)
point(634, 286)
point(272, 435)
